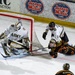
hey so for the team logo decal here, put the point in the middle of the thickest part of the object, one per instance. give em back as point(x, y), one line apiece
point(34, 6)
point(61, 10)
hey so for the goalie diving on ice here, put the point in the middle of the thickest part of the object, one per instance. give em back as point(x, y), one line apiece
point(15, 38)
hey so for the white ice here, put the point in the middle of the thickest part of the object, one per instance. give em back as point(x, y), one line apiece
point(36, 65)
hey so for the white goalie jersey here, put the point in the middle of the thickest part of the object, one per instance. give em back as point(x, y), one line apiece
point(19, 34)
point(19, 37)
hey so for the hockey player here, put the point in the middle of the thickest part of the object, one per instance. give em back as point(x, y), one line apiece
point(57, 32)
point(65, 70)
point(11, 29)
point(58, 47)
point(18, 37)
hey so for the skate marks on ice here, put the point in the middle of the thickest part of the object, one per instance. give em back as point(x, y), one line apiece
point(13, 69)
point(9, 68)
point(65, 58)
point(60, 58)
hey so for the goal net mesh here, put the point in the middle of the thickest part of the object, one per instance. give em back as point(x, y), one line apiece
point(6, 19)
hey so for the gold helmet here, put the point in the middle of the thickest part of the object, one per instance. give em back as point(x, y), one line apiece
point(52, 41)
point(66, 66)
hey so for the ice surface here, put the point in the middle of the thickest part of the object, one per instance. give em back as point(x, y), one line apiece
point(36, 65)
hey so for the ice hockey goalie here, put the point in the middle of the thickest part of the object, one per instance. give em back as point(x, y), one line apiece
point(15, 40)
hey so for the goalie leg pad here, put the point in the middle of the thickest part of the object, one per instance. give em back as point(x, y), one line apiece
point(4, 46)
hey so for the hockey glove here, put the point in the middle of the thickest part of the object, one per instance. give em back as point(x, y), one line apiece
point(44, 35)
point(53, 54)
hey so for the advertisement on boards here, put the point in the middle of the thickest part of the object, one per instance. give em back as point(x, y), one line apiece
point(34, 6)
point(11, 5)
point(61, 10)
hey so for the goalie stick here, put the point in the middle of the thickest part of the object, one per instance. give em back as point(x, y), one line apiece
point(43, 49)
point(19, 44)
point(4, 56)
point(26, 47)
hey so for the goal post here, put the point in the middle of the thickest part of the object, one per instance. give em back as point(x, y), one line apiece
point(28, 23)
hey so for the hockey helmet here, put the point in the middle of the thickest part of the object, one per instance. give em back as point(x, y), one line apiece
point(51, 24)
point(66, 66)
point(52, 41)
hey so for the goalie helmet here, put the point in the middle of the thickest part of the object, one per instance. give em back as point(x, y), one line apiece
point(52, 43)
point(66, 66)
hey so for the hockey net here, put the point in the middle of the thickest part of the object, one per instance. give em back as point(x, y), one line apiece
point(6, 19)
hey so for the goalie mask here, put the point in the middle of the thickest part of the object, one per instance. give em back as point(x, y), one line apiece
point(18, 27)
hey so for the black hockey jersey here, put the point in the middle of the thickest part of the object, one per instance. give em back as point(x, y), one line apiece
point(64, 72)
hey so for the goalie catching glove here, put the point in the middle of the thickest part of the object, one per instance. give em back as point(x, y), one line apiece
point(44, 35)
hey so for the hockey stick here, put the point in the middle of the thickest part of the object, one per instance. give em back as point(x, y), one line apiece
point(40, 49)
point(20, 44)
point(26, 47)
